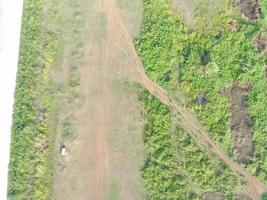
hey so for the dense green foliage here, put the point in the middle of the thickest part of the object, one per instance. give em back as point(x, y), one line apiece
point(264, 196)
point(169, 49)
point(30, 170)
point(176, 168)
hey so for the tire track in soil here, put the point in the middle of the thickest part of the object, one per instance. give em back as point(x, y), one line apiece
point(102, 154)
point(119, 33)
point(97, 109)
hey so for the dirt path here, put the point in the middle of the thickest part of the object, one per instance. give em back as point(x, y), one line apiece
point(104, 158)
point(190, 123)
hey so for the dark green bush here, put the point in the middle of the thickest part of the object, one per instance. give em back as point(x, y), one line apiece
point(264, 196)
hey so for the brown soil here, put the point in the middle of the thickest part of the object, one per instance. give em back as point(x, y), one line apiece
point(261, 44)
point(240, 122)
point(202, 98)
point(42, 144)
point(232, 24)
point(241, 197)
point(213, 196)
point(249, 8)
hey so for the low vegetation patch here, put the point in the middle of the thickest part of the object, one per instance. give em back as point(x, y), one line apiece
point(31, 167)
point(176, 167)
point(264, 196)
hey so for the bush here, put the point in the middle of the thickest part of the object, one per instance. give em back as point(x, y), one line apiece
point(264, 196)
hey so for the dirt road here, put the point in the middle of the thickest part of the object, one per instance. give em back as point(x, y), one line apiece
point(188, 121)
point(104, 158)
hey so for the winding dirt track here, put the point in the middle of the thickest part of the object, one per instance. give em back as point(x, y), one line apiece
point(119, 33)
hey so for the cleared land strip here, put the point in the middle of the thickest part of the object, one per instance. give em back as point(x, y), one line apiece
point(187, 120)
point(104, 126)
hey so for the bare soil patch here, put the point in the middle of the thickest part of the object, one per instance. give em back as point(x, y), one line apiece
point(249, 8)
point(199, 14)
point(241, 197)
point(221, 196)
point(99, 120)
point(132, 15)
point(202, 98)
point(261, 44)
point(240, 122)
point(232, 24)
point(213, 196)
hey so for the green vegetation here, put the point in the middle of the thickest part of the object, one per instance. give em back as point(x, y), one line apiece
point(114, 191)
point(196, 61)
point(183, 61)
point(264, 196)
point(205, 15)
point(37, 96)
point(68, 132)
point(31, 169)
point(176, 168)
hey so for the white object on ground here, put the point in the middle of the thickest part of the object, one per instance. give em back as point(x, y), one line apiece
point(10, 25)
point(63, 151)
